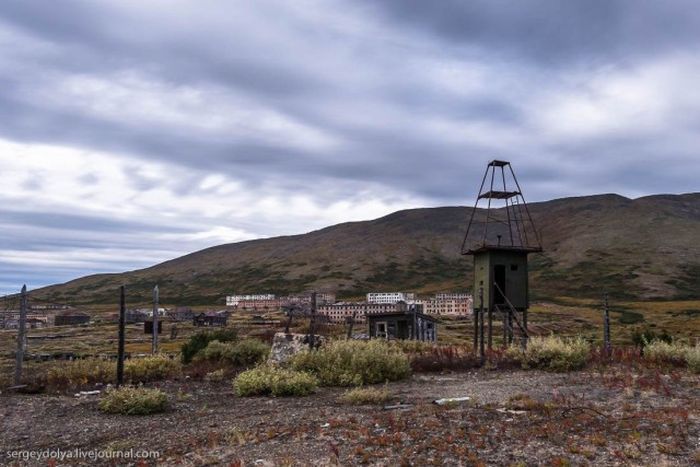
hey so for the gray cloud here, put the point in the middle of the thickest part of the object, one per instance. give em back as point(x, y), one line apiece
point(555, 32)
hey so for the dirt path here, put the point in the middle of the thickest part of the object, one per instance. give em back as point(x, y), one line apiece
point(512, 418)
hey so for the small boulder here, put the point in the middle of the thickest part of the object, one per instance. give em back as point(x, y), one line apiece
point(284, 346)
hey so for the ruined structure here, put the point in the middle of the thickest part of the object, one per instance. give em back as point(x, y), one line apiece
point(500, 237)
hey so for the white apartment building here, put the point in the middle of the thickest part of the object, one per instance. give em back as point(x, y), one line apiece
point(390, 297)
point(452, 296)
point(232, 300)
point(448, 304)
point(340, 312)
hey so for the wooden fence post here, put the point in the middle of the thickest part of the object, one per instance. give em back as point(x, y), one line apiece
point(606, 325)
point(312, 325)
point(21, 336)
point(154, 342)
point(120, 345)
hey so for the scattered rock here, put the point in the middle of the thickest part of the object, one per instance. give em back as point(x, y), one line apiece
point(285, 346)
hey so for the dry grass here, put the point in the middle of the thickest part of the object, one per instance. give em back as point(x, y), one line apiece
point(366, 396)
point(133, 401)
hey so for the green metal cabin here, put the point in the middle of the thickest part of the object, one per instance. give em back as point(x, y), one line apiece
point(499, 272)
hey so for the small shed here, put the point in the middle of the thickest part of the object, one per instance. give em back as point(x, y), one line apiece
point(409, 325)
point(210, 319)
point(71, 318)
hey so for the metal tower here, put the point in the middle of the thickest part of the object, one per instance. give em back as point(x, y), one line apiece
point(500, 236)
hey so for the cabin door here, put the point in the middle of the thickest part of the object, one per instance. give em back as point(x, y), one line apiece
point(499, 277)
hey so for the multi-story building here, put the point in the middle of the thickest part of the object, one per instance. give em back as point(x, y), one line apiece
point(322, 298)
point(389, 297)
point(233, 300)
point(341, 312)
point(448, 304)
point(452, 296)
point(268, 304)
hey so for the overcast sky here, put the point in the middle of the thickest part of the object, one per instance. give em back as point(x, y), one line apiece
point(132, 132)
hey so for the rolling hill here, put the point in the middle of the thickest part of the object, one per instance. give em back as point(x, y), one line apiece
point(645, 248)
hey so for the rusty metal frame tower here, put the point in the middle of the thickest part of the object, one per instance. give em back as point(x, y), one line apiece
point(499, 236)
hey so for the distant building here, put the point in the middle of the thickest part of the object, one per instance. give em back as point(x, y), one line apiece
point(71, 318)
point(342, 312)
point(10, 320)
point(453, 296)
point(448, 304)
point(210, 319)
point(408, 323)
point(272, 304)
point(322, 298)
point(149, 311)
point(37, 322)
point(181, 313)
point(134, 316)
point(389, 297)
point(233, 300)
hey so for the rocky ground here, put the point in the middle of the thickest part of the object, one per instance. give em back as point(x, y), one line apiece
point(512, 418)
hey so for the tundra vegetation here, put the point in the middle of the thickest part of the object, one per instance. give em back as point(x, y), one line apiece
point(133, 401)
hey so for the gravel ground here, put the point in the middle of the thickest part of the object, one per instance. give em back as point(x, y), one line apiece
point(512, 418)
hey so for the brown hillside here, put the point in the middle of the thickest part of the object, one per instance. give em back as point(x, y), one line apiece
point(642, 248)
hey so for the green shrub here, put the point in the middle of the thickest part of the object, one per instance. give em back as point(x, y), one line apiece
point(199, 341)
point(151, 368)
point(366, 396)
point(676, 354)
point(77, 373)
point(642, 338)
point(663, 352)
point(353, 363)
point(273, 380)
point(693, 358)
point(552, 353)
point(90, 371)
point(133, 401)
point(244, 353)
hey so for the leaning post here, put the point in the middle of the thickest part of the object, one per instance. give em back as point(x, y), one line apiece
point(490, 324)
point(482, 354)
point(21, 336)
point(154, 342)
point(120, 345)
point(476, 330)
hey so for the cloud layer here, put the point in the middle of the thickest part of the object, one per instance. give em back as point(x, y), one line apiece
point(134, 132)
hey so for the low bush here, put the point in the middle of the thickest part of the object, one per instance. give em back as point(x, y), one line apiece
point(78, 373)
point(353, 363)
point(90, 371)
point(198, 342)
point(133, 401)
point(693, 358)
point(273, 380)
point(436, 358)
point(366, 396)
point(244, 353)
point(151, 368)
point(641, 338)
point(552, 353)
point(676, 353)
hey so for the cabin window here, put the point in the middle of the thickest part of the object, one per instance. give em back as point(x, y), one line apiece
point(513, 267)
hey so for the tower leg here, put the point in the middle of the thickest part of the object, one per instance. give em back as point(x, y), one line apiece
point(490, 328)
point(505, 329)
